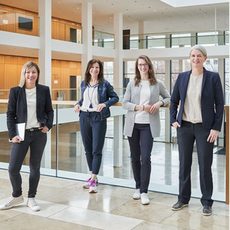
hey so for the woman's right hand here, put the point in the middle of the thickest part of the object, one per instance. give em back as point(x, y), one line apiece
point(16, 139)
point(175, 125)
point(77, 108)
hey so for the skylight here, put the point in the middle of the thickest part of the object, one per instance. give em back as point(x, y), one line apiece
point(182, 3)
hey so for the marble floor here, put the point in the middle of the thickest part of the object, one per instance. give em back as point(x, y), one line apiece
point(66, 205)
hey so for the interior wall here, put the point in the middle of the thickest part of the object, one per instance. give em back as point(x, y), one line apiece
point(10, 71)
point(60, 28)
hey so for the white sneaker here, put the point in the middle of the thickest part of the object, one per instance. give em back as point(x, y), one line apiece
point(31, 203)
point(144, 198)
point(137, 194)
point(13, 201)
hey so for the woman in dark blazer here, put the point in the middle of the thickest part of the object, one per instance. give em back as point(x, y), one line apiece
point(29, 103)
point(199, 96)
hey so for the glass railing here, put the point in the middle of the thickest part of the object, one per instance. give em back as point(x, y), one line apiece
point(64, 155)
point(103, 39)
point(74, 94)
point(149, 41)
point(64, 94)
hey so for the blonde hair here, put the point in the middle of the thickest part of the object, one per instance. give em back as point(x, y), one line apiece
point(28, 65)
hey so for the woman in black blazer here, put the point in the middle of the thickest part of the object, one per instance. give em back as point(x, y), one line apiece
point(196, 111)
point(30, 104)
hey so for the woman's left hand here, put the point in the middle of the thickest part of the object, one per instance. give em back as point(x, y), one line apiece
point(100, 107)
point(213, 135)
point(44, 129)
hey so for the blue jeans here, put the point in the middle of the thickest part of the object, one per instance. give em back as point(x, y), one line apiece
point(93, 130)
point(141, 144)
point(36, 140)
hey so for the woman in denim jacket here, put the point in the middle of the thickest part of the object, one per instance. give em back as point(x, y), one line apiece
point(97, 95)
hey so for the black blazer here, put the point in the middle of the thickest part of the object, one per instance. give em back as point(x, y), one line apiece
point(212, 99)
point(17, 108)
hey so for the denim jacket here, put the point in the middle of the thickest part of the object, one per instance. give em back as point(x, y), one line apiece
point(106, 95)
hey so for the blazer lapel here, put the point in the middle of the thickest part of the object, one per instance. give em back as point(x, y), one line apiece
point(38, 98)
point(204, 79)
point(185, 83)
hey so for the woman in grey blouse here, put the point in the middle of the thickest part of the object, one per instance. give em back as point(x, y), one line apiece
point(142, 122)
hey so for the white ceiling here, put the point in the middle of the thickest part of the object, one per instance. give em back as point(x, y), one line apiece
point(133, 10)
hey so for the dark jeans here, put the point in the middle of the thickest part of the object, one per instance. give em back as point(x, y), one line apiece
point(93, 131)
point(187, 134)
point(36, 141)
point(141, 144)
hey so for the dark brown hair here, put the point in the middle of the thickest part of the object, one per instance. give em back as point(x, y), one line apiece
point(151, 74)
point(87, 73)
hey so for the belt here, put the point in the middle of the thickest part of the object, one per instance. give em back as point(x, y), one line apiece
point(33, 129)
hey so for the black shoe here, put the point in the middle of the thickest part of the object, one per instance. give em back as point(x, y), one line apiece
point(207, 210)
point(179, 205)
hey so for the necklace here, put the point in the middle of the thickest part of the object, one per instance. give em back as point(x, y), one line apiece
point(91, 96)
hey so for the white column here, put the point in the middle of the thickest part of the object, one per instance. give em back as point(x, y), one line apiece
point(118, 84)
point(86, 34)
point(141, 35)
point(167, 115)
point(45, 59)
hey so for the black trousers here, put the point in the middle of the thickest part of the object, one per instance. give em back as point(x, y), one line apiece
point(36, 141)
point(187, 134)
point(141, 144)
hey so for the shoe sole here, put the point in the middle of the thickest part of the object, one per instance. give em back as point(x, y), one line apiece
point(183, 206)
point(12, 206)
point(92, 191)
point(145, 203)
point(207, 214)
point(136, 198)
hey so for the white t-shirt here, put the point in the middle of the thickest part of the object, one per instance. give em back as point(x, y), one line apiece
point(32, 120)
point(192, 105)
point(90, 99)
point(142, 117)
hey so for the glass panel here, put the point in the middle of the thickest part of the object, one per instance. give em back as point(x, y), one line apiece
point(134, 42)
point(226, 38)
point(4, 143)
point(181, 40)
point(208, 39)
point(103, 39)
point(156, 41)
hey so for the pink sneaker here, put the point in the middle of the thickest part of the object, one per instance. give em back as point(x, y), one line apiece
point(88, 182)
point(93, 186)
